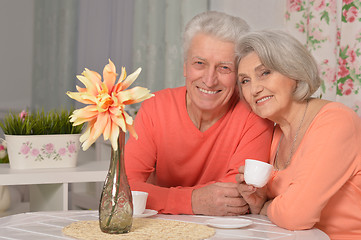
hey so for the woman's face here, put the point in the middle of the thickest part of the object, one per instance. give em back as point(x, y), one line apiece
point(269, 93)
point(210, 73)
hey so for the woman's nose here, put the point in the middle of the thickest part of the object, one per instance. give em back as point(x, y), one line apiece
point(256, 88)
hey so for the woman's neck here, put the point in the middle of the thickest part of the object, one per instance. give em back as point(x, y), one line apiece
point(290, 121)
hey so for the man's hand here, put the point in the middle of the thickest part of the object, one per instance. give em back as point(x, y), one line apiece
point(218, 199)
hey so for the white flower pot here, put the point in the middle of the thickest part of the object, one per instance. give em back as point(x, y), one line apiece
point(42, 151)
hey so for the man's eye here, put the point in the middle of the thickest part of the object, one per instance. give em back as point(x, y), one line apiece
point(198, 65)
point(224, 69)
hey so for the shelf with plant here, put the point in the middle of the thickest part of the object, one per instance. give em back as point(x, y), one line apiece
point(39, 123)
point(41, 139)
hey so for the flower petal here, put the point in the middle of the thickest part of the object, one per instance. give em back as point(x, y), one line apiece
point(89, 85)
point(83, 115)
point(100, 125)
point(107, 130)
point(120, 122)
point(132, 131)
point(114, 136)
point(128, 118)
point(134, 95)
point(129, 80)
point(93, 76)
point(82, 97)
point(105, 113)
point(109, 75)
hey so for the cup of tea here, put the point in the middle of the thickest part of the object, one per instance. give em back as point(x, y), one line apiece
point(139, 202)
point(257, 173)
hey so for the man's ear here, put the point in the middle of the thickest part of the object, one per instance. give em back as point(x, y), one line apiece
point(184, 70)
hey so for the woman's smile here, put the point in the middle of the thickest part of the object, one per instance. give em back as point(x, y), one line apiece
point(263, 99)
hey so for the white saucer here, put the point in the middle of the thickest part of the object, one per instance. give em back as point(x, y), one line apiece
point(228, 222)
point(147, 213)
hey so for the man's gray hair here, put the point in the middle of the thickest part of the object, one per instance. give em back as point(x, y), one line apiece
point(217, 24)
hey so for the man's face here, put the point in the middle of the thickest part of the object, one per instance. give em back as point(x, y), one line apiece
point(210, 73)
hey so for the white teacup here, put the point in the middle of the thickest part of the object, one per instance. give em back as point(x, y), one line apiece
point(257, 173)
point(139, 202)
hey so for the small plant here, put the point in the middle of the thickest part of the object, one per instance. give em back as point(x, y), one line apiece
point(4, 158)
point(39, 123)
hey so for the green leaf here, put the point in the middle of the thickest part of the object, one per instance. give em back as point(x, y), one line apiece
point(40, 123)
point(326, 17)
point(323, 86)
point(338, 92)
point(343, 53)
point(343, 80)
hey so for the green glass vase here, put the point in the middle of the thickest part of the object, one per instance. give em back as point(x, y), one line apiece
point(116, 208)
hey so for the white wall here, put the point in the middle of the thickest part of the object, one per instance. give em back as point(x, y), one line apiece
point(16, 44)
point(16, 41)
point(260, 14)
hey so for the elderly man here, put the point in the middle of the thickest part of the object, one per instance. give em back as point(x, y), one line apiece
point(192, 139)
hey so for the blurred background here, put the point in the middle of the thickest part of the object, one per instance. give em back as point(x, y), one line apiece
point(44, 44)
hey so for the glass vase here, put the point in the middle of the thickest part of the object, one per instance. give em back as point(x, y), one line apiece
point(116, 208)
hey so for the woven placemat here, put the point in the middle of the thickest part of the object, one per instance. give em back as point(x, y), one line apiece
point(142, 228)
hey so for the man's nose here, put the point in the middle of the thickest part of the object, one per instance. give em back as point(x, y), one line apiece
point(210, 77)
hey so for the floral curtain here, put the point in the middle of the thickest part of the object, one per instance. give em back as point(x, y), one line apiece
point(331, 29)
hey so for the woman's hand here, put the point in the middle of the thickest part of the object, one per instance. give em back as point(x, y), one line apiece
point(255, 197)
point(265, 207)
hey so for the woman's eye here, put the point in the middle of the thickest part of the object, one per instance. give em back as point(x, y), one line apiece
point(266, 72)
point(244, 81)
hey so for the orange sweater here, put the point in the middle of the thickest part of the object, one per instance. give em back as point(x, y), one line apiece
point(322, 186)
point(182, 157)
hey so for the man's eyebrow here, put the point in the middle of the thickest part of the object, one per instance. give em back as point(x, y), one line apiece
point(232, 63)
point(221, 62)
point(203, 59)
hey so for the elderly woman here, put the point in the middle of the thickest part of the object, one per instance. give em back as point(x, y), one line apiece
point(315, 150)
point(191, 141)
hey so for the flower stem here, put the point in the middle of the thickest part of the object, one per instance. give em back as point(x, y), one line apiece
point(115, 153)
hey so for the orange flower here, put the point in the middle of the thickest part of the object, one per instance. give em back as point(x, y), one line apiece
point(106, 100)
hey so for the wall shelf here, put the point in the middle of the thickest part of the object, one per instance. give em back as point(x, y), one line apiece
point(49, 188)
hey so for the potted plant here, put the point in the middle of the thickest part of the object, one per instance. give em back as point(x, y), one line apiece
point(41, 140)
point(3, 152)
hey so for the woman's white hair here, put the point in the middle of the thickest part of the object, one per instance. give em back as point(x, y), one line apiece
point(283, 53)
point(216, 24)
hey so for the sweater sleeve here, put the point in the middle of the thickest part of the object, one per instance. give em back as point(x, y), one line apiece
point(255, 144)
point(323, 163)
point(140, 163)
